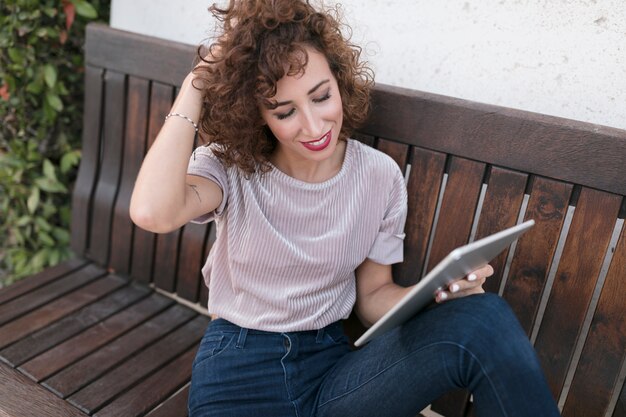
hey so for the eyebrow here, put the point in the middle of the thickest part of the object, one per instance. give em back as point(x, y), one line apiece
point(311, 91)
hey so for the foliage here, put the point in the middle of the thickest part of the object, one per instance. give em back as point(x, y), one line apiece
point(41, 88)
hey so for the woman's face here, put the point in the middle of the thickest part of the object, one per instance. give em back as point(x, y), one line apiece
point(308, 118)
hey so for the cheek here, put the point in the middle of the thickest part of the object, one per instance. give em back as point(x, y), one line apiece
point(283, 131)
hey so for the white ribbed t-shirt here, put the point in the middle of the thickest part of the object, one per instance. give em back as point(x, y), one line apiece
point(286, 250)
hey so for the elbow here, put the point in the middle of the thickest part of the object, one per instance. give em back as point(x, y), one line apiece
point(147, 219)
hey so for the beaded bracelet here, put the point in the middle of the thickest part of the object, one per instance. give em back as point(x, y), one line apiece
point(195, 126)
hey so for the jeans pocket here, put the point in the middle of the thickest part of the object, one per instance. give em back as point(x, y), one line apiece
point(210, 346)
point(336, 335)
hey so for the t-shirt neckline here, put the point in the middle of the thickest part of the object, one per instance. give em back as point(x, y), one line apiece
point(347, 160)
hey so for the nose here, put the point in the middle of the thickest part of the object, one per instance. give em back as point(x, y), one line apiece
point(312, 123)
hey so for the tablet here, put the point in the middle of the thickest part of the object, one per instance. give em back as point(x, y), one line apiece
point(456, 265)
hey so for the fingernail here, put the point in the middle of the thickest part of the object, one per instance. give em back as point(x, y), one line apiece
point(471, 277)
point(454, 288)
point(443, 296)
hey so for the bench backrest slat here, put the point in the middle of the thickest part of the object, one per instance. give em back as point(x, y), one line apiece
point(528, 274)
point(111, 163)
point(458, 207)
point(500, 209)
point(423, 187)
point(90, 160)
point(584, 252)
point(603, 353)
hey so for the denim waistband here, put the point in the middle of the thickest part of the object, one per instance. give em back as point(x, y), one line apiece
point(224, 325)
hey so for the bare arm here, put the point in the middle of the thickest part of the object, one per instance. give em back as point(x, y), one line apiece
point(377, 293)
point(165, 197)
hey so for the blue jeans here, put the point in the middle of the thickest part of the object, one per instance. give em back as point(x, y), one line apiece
point(474, 342)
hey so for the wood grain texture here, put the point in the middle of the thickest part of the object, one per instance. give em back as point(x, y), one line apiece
point(93, 338)
point(21, 397)
point(604, 353)
point(500, 209)
point(39, 279)
point(89, 161)
point(191, 261)
point(96, 364)
point(549, 146)
point(458, 207)
point(57, 332)
point(423, 187)
point(535, 249)
point(153, 390)
point(175, 406)
point(120, 380)
point(574, 283)
point(134, 150)
point(111, 162)
point(397, 151)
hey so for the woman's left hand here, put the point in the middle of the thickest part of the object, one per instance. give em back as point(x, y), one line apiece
point(471, 284)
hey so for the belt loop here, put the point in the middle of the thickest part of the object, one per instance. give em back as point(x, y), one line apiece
point(320, 335)
point(241, 341)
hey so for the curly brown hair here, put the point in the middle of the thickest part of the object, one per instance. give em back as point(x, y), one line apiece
point(262, 41)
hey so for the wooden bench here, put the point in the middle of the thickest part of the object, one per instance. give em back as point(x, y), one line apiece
point(114, 331)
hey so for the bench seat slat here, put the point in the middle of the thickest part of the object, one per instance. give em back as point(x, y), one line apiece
point(535, 249)
point(123, 377)
point(96, 336)
point(57, 332)
point(153, 390)
point(53, 311)
point(604, 352)
point(47, 293)
point(89, 368)
point(574, 283)
point(32, 282)
point(175, 406)
point(500, 209)
point(423, 187)
point(134, 149)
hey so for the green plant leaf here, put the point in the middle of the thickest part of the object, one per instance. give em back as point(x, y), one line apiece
point(43, 224)
point(54, 101)
point(46, 239)
point(85, 9)
point(50, 75)
point(33, 200)
point(48, 170)
point(48, 185)
point(69, 160)
point(16, 55)
point(24, 220)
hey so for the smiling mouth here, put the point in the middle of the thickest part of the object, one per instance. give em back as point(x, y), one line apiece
point(319, 144)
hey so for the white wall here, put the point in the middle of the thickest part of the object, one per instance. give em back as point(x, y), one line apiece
point(560, 57)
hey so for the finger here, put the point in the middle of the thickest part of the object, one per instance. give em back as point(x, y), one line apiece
point(465, 284)
point(443, 296)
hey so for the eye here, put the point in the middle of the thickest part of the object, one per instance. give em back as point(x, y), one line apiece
point(282, 116)
point(321, 99)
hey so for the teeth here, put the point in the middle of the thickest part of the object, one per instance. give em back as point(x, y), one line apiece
point(318, 142)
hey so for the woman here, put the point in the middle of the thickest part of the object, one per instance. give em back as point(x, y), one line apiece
point(304, 235)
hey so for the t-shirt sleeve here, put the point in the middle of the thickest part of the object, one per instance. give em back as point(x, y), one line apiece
point(388, 248)
point(204, 163)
